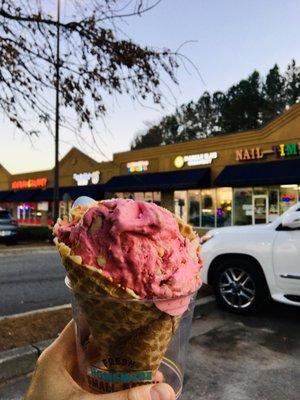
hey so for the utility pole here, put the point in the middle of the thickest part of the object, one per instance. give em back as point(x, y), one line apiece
point(56, 168)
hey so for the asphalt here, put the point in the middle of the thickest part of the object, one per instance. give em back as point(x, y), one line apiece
point(245, 358)
point(234, 357)
point(31, 279)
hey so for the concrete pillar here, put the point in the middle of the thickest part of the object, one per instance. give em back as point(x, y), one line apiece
point(44, 218)
point(14, 211)
point(167, 200)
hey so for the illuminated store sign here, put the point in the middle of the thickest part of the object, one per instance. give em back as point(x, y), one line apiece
point(85, 178)
point(30, 183)
point(290, 149)
point(137, 166)
point(256, 153)
point(195, 159)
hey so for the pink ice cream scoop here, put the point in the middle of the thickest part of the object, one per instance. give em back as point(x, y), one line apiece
point(139, 246)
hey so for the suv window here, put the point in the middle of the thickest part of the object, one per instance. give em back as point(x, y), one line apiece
point(4, 214)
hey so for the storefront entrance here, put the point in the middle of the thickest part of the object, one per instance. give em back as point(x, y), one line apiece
point(260, 208)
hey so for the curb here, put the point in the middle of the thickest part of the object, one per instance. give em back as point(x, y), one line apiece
point(34, 312)
point(22, 360)
point(27, 249)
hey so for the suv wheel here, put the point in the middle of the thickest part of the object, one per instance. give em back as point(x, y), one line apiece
point(239, 285)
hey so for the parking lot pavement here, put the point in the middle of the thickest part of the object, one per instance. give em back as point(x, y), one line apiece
point(241, 358)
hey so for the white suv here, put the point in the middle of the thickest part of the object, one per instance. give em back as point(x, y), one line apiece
point(248, 264)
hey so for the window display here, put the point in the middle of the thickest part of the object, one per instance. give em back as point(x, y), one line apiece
point(208, 208)
point(194, 207)
point(224, 206)
point(288, 196)
point(273, 204)
point(180, 203)
point(243, 208)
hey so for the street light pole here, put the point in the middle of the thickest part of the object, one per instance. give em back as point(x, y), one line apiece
point(56, 168)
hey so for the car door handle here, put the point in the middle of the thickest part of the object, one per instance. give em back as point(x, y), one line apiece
point(290, 276)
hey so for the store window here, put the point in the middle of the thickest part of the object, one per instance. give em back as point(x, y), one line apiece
point(273, 204)
point(139, 196)
point(65, 207)
point(118, 195)
point(27, 213)
point(242, 206)
point(208, 208)
point(194, 207)
point(180, 204)
point(154, 197)
point(288, 196)
point(224, 206)
point(157, 198)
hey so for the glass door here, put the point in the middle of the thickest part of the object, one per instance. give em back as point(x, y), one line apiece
point(260, 209)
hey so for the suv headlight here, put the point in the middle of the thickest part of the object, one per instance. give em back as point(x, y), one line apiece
point(205, 238)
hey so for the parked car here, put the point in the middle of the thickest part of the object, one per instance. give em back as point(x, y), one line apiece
point(246, 265)
point(8, 227)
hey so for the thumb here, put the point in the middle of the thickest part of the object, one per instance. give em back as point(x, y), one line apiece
point(162, 391)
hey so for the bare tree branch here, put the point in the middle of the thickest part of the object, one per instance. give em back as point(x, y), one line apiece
point(97, 61)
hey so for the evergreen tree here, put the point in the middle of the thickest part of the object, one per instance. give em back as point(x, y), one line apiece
point(241, 109)
point(292, 81)
point(218, 100)
point(204, 112)
point(151, 138)
point(246, 105)
point(274, 95)
point(169, 127)
point(188, 121)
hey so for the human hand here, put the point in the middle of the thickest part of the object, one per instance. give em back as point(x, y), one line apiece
point(56, 368)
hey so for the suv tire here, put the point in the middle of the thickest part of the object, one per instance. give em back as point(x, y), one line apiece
point(239, 285)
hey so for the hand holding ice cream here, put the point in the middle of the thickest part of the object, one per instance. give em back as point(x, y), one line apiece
point(53, 378)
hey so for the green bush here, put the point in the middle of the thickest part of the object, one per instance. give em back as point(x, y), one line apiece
point(35, 234)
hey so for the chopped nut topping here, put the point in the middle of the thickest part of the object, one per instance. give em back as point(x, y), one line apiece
point(161, 252)
point(101, 260)
point(96, 225)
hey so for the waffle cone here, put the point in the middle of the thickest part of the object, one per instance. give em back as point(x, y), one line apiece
point(125, 336)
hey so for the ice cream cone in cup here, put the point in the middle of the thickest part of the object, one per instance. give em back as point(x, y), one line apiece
point(132, 268)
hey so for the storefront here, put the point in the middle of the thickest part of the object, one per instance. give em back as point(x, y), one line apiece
point(29, 196)
point(243, 178)
point(233, 179)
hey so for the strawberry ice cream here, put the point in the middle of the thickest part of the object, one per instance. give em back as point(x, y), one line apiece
point(136, 244)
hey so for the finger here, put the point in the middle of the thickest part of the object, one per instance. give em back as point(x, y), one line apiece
point(161, 391)
point(65, 343)
point(63, 350)
point(67, 339)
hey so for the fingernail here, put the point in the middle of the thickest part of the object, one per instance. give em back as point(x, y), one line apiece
point(160, 392)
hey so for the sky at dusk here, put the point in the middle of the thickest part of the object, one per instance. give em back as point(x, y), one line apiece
point(229, 40)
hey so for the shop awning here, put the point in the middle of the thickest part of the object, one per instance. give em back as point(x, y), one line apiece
point(267, 173)
point(94, 191)
point(44, 195)
point(21, 195)
point(160, 181)
point(39, 195)
point(72, 192)
point(4, 194)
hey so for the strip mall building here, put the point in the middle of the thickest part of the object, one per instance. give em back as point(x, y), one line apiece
point(234, 179)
